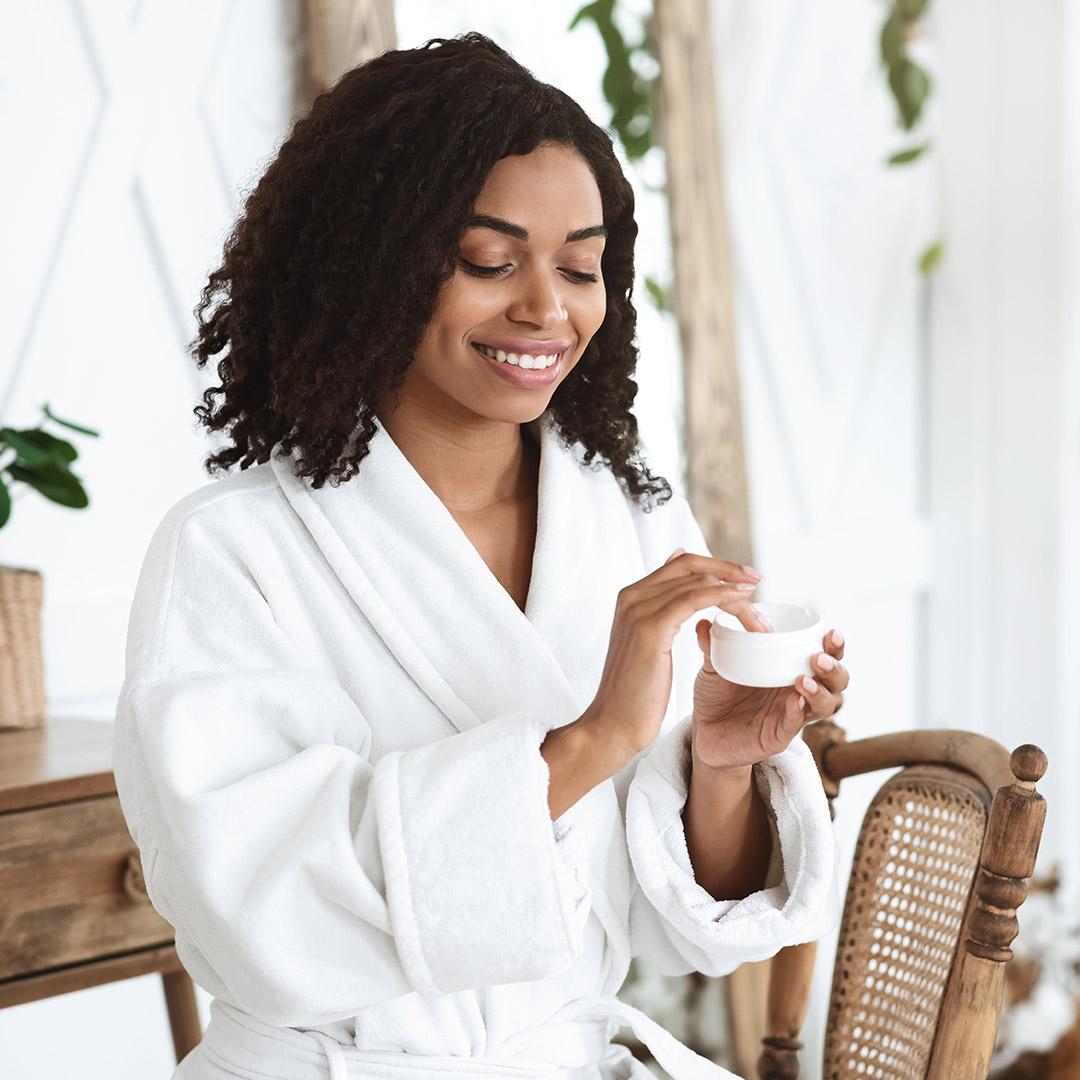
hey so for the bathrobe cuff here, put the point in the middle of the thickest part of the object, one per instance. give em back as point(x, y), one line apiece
point(479, 892)
point(800, 900)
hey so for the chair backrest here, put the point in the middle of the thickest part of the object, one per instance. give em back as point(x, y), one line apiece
point(940, 866)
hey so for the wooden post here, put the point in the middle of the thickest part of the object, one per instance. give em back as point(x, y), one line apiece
point(972, 1007)
point(688, 124)
point(183, 1012)
point(689, 127)
point(789, 994)
point(792, 968)
point(344, 33)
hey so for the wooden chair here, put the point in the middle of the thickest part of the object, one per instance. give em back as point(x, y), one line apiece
point(941, 865)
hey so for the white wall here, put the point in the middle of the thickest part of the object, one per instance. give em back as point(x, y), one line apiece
point(831, 336)
point(915, 448)
point(134, 127)
point(1006, 365)
point(128, 131)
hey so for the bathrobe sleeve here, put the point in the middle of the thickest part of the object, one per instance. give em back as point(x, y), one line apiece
point(304, 880)
point(676, 924)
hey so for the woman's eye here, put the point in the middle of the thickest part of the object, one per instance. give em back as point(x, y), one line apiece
point(496, 271)
point(483, 271)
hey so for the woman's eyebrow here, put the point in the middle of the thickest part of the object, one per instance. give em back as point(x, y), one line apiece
point(486, 221)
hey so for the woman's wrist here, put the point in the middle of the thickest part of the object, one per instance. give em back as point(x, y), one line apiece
point(579, 756)
point(720, 775)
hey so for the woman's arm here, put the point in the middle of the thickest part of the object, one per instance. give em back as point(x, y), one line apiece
point(721, 803)
point(579, 756)
point(724, 805)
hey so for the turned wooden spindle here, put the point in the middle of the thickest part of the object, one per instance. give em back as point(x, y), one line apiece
point(1008, 857)
point(976, 987)
point(792, 968)
point(790, 975)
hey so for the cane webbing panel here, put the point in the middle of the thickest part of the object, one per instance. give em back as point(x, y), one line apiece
point(914, 864)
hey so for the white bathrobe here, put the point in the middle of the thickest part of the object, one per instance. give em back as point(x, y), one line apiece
point(327, 751)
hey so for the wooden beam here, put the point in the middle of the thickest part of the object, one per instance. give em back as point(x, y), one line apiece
point(344, 33)
point(689, 126)
point(688, 122)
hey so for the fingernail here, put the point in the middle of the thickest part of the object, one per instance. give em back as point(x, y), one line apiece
point(754, 573)
point(746, 586)
point(838, 638)
point(826, 661)
point(810, 685)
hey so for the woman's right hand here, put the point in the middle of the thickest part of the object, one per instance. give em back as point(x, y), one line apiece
point(634, 689)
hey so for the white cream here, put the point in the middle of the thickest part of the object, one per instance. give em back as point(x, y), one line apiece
point(524, 361)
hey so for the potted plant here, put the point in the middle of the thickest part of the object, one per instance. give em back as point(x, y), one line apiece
point(36, 459)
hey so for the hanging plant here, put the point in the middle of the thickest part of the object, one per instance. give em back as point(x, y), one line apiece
point(628, 91)
point(629, 86)
point(910, 85)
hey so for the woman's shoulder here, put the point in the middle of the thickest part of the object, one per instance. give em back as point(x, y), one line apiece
point(229, 518)
point(228, 497)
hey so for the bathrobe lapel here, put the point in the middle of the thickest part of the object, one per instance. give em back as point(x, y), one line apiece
point(432, 599)
point(448, 621)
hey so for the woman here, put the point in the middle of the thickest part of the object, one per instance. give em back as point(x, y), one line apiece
point(417, 760)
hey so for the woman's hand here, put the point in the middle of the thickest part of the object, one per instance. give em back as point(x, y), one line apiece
point(735, 726)
point(635, 686)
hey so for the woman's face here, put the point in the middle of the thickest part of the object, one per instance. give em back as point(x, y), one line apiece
point(544, 294)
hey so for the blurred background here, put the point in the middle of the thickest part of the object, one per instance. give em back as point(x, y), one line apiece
point(896, 204)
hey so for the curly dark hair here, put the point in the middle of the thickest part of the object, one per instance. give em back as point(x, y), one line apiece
point(321, 311)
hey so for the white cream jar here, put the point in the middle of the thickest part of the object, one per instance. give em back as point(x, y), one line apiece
point(767, 659)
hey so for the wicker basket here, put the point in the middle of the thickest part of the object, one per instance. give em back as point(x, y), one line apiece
point(22, 671)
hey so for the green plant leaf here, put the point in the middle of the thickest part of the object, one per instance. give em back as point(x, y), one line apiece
point(910, 86)
point(589, 11)
point(626, 90)
point(929, 259)
point(61, 450)
point(892, 40)
point(5, 502)
point(902, 157)
point(54, 482)
point(656, 291)
point(912, 9)
point(27, 451)
point(68, 424)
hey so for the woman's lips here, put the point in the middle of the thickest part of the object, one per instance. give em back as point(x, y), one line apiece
point(532, 346)
point(522, 377)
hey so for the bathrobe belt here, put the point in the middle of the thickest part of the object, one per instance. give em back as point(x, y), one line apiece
point(580, 1031)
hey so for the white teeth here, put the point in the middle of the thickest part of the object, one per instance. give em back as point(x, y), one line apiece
point(525, 361)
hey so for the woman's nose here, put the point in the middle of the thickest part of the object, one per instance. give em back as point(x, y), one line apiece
point(540, 300)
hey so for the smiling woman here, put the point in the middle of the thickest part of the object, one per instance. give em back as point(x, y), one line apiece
point(528, 295)
point(433, 198)
point(406, 755)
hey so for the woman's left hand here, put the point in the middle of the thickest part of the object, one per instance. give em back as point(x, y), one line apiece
point(737, 725)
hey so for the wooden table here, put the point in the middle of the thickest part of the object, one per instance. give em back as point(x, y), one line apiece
point(73, 906)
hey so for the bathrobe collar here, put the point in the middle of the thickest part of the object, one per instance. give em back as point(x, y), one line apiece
point(430, 596)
